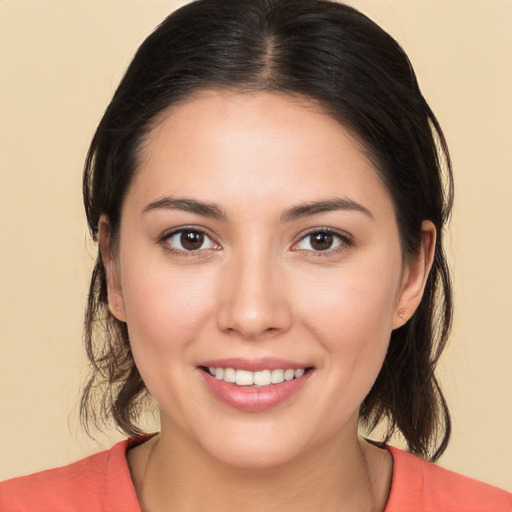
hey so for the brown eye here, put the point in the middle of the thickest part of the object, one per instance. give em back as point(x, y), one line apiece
point(321, 241)
point(190, 240)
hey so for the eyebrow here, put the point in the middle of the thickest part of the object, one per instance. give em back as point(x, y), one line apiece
point(187, 205)
point(329, 205)
point(302, 210)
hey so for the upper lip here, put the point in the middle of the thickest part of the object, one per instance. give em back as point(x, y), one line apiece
point(254, 365)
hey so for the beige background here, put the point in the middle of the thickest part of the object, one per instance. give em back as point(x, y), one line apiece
point(60, 62)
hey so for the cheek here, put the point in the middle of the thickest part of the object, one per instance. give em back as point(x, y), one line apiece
point(351, 314)
point(353, 300)
point(165, 310)
point(162, 305)
point(166, 313)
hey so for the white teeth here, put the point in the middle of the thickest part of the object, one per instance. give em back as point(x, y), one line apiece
point(289, 374)
point(259, 378)
point(244, 378)
point(277, 376)
point(229, 375)
point(262, 378)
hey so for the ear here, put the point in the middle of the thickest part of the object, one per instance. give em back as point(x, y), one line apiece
point(415, 276)
point(115, 295)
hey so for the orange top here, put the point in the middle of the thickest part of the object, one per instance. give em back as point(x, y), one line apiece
point(102, 483)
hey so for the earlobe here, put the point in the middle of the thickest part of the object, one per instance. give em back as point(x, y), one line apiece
point(415, 276)
point(115, 296)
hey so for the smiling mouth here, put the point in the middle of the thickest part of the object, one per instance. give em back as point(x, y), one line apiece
point(262, 378)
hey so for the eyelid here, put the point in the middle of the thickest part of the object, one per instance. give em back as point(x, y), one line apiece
point(163, 239)
point(347, 241)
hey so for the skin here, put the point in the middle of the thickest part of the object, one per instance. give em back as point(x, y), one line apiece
point(258, 288)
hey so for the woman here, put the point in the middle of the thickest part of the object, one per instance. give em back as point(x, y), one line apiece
point(266, 191)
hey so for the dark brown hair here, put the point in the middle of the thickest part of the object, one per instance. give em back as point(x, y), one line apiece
point(336, 56)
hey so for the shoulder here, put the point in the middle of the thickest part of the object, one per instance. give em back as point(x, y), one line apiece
point(425, 487)
point(79, 487)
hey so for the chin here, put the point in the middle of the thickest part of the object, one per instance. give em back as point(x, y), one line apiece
point(254, 457)
point(265, 445)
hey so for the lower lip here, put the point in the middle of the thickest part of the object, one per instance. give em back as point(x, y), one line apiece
point(253, 399)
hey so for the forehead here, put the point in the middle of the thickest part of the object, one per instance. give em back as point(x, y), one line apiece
point(226, 146)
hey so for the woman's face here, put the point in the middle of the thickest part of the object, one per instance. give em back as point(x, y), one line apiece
point(257, 238)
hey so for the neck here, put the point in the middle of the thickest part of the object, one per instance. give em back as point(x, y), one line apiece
point(171, 472)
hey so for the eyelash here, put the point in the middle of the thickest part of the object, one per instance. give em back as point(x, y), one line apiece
point(345, 242)
point(183, 252)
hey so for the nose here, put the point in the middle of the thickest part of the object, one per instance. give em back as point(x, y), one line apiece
point(252, 301)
